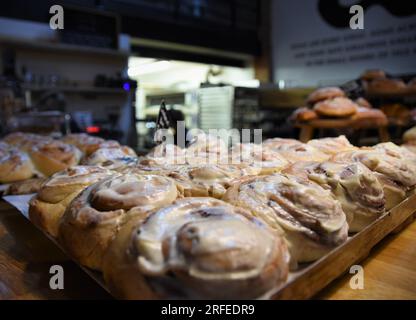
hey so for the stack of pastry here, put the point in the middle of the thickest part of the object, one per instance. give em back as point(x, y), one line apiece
point(376, 82)
point(331, 102)
point(217, 221)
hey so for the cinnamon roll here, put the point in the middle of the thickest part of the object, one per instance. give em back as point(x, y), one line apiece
point(331, 146)
point(95, 216)
point(391, 149)
point(88, 144)
point(167, 154)
point(55, 194)
point(112, 158)
point(256, 156)
point(311, 220)
point(197, 248)
point(324, 94)
point(353, 185)
point(14, 165)
point(206, 149)
point(25, 141)
point(53, 156)
point(395, 175)
point(210, 180)
point(294, 151)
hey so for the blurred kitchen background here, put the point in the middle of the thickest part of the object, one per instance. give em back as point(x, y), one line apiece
point(216, 64)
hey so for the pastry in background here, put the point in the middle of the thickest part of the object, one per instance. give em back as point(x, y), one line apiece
point(167, 154)
point(15, 165)
point(293, 150)
point(324, 94)
point(397, 111)
point(211, 180)
point(370, 114)
point(361, 102)
point(355, 186)
point(53, 156)
point(339, 107)
point(331, 146)
point(304, 114)
point(311, 220)
point(370, 75)
point(88, 144)
point(112, 158)
point(256, 156)
point(55, 194)
point(95, 216)
point(410, 135)
point(25, 141)
point(199, 248)
point(27, 186)
point(386, 86)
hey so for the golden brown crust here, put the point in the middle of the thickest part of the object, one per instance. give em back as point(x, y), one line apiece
point(324, 94)
point(338, 107)
point(304, 114)
point(386, 86)
point(312, 222)
point(14, 165)
point(159, 257)
point(410, 135)
point(363, 103)
point(94, 217)
point(88, 144)
point(55, 194)
point(371, 114)
point(370, 75)
point(54, 156)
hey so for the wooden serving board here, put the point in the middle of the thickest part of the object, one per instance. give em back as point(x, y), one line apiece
point(311, 278)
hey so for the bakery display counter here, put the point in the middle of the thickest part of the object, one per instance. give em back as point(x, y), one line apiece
point(284, 218)
point(26, 256)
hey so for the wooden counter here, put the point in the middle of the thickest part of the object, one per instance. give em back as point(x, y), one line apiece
point(26, 256)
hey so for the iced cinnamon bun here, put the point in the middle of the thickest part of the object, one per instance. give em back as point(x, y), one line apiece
point(312, 221)
point(332, 146)
point(15, 165)
point(211, 180)
point(395, 175)
point(55, 194)
point(196, 248)
point(355, 186)
point(294, 151)
point(53, 156)
point(95, 216)
point(25, 141)
point(256, 156)
point(115, 158)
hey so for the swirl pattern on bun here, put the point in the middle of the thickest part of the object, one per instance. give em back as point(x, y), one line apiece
point(95, 216)
point(200, 248)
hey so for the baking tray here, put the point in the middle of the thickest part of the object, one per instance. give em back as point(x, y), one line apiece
point(308, 279)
